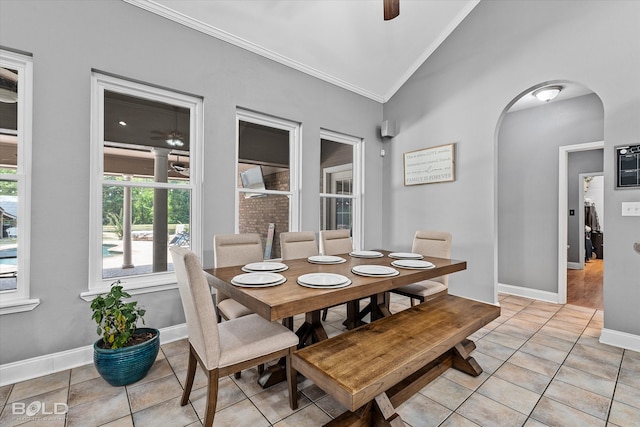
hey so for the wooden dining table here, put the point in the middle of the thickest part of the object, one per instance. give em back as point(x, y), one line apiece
point(289, 299)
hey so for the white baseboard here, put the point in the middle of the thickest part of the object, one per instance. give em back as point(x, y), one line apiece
point(22, 370)
point(574, 266)
point(528, 293)
point(620, 339)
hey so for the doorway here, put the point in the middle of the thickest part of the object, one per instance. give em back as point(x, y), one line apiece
point(585, 284)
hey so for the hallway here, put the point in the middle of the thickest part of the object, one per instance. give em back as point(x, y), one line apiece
point(584, 287)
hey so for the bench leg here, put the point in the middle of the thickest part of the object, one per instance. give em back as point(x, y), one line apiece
point(462, 359)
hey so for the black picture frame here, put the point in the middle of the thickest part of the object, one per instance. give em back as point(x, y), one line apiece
point(627, 166)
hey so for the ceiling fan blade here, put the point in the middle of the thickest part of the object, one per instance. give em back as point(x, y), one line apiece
point(391, 9)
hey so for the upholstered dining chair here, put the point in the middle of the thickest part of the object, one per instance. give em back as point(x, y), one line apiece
point(428, 243)
point(228, 347)
point(234, 249)
point(298, 244)
point(334, 242)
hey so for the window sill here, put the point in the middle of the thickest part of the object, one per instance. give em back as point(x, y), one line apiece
point(18, 306)
point(132, 290)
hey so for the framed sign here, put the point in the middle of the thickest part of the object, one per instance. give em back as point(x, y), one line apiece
point(430, 165)
point(628, 166)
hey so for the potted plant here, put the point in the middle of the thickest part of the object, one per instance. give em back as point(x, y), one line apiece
point(124, 353)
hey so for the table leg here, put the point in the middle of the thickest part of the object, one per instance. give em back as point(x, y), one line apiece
point(311, 331)
point(379, 307)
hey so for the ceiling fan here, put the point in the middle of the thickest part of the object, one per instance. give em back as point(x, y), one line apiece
point(179, 167)
point(391, 9)
point(173, 137)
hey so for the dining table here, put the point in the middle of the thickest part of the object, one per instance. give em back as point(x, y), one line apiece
point(290, 298)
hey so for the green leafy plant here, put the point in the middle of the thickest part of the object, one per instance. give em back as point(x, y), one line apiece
point(115, 220)
point(117, 320)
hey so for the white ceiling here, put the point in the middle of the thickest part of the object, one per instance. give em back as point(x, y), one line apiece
point(345, 42)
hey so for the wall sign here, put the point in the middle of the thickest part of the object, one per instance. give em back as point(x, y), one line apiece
point(430, 165)
point(628, 166)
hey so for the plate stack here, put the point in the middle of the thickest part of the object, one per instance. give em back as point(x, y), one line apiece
point(326, 259)
point(405, 255)
point(323, 280)
point(258, 280)
point(374, 271)
point(365, 254)
point(413, 264)
point(259, 267)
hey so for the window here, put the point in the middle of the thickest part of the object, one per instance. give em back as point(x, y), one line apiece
point(267, 196)
point(340, 188)
point(145, 153)
point(15, 170)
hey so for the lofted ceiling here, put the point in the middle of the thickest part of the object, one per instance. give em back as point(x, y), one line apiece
point(345, 42)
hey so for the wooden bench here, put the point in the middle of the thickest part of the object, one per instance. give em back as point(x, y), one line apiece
point(373, 369)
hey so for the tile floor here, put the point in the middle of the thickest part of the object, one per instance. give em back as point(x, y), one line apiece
point(543, 366)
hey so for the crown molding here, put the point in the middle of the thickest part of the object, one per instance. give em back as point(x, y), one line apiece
point(165, 12)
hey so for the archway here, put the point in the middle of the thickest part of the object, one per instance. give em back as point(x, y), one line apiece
point(531, 185)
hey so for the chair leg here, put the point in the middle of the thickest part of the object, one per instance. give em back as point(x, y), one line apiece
point(260, 368)
point(292, 381)
point(212, 397)
point(237, 375)
point(324, 314)
point(191, 373)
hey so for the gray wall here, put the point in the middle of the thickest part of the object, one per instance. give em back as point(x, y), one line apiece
point(68, 39)
point(501, 50)
point(579, 162)
point(528, 186)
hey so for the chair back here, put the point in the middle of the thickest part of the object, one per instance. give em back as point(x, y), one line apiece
point(433, 243)
point(236, 249)
point(202, 324)
point(298, 244)
point(334, 242)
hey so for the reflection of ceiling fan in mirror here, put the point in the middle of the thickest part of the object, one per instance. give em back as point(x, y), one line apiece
point(173, 137)
point(179, 167)
point(8, 86)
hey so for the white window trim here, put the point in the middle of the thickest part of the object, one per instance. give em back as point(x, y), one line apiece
point(19, 300)
point(146, 282)
point(358, 181)
point(295, 130)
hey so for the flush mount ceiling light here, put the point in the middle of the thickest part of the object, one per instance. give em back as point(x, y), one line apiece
point(547, 93)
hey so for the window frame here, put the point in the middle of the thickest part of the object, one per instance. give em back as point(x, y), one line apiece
point(357, 182)
point(19, 300)
point(153, 282)
point(294, 130)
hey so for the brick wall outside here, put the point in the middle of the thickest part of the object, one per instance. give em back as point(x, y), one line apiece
point(257, 213)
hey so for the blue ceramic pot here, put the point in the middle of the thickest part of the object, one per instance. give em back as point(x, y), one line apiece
point(126, 365)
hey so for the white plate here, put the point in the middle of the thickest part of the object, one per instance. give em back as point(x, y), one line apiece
point(414, 264)
point(258, 267)
point(266, 285)
point(375, 270)
point(341, 285)
point(326, 259)
point(365, 254)
point(256, 279)
point(322, 279)
point(405, 255)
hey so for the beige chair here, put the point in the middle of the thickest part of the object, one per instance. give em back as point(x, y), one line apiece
point(225, 348)
point(298, 244)
point(335, 242)
point(435, 244)
point(234, 249)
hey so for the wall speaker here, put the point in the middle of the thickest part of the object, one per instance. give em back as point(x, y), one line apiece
point(388, 129)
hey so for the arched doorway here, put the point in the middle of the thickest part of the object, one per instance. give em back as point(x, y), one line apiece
point(533, 204)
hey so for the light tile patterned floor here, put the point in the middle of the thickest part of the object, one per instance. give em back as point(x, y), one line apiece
point(543, 366)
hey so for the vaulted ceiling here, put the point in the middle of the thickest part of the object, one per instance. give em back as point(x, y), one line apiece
point(345, 42)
